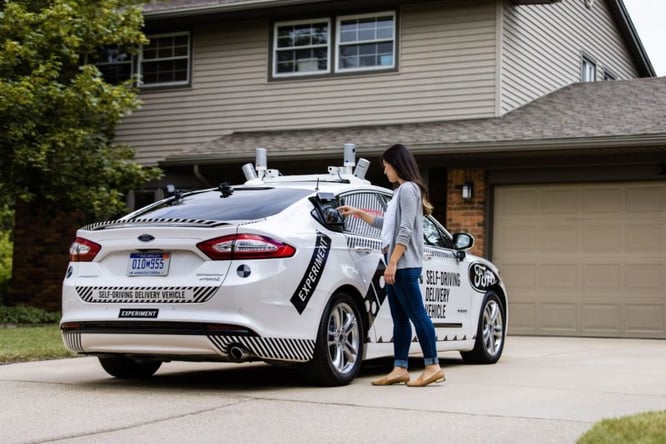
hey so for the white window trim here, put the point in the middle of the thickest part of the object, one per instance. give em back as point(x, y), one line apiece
point(608, 75)
point(332, 47)
point(587, 61)
point(301, 22)
point(188, 57)
point(361, 16)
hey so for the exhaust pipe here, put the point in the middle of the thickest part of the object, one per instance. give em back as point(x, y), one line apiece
point(239, 353)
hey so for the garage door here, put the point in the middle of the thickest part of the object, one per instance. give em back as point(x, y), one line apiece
point(583, 259)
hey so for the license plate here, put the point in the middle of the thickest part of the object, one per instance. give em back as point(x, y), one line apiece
point(149, 264)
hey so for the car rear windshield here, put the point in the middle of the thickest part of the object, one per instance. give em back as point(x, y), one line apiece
point(242, 204)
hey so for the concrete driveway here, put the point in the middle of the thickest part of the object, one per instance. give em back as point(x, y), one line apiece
point(546, 390)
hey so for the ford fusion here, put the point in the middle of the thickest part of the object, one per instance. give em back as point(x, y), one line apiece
point(267, 270)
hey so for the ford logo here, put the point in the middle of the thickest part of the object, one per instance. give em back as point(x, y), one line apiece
point(146, 238)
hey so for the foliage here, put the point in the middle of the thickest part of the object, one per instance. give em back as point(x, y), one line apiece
point(31, 344)
point(6, 249)
point(57, 114)
point(23, 314)
point(643, 428)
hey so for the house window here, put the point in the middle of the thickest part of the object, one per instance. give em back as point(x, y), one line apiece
point(115, 65)
point(165, 60)
point(609, 75)
point(301, 47)
point(365, 42)
point(588, 70)
point(358, 43)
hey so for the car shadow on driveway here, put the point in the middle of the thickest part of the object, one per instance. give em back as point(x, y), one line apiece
point(246, 376)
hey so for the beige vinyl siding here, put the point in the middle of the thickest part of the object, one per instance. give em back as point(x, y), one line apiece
point(543, 46)
point(447, 70)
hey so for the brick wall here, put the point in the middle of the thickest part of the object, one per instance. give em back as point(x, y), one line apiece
point(41, 255)
point(468, 216)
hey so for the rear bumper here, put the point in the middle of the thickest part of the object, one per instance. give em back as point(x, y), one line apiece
point(183, 341)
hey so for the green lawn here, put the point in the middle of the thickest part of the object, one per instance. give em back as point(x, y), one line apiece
point(644, 428)
point(31, 343)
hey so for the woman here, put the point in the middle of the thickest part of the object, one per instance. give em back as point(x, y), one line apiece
point(402, 240)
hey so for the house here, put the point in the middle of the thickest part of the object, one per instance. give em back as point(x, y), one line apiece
point(548, 110)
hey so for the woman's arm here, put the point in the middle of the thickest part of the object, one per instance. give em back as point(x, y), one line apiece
point(346, 210)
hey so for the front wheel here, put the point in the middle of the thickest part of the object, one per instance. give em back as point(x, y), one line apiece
point(339, 348)
point(127, 368)
point(490, 333)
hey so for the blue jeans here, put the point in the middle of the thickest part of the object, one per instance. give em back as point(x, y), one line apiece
point(406, 305)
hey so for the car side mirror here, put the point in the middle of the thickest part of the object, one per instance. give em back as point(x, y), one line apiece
point(463, 241)
point(325, 211)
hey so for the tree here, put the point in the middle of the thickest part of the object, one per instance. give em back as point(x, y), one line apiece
point(57, 114)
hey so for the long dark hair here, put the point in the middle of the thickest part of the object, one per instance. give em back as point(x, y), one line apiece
point(403, 162)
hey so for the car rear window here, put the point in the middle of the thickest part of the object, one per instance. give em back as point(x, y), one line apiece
point(242, 204)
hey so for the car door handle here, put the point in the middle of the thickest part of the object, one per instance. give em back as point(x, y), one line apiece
point(363, 250)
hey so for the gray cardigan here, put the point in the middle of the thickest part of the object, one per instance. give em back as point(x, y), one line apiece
point(408, 225)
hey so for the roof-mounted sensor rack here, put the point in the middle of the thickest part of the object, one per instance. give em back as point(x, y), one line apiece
point(350, 172)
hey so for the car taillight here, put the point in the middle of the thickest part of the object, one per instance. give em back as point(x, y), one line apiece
point(83, 250)
point(245, 246)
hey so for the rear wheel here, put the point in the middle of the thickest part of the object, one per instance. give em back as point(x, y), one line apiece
point(127, 368)
point(339, 347)
point(490, 333)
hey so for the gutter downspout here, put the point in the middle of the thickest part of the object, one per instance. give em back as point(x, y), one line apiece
point(197, 173)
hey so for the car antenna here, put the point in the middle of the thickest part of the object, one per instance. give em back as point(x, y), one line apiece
point(317, 186)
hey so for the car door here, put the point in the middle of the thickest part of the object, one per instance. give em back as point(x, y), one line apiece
point(444, 283)
point(364, 242)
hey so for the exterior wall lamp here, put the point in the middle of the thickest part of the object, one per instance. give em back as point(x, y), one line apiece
point(467, 190)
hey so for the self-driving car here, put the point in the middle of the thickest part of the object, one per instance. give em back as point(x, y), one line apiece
point(267, 270)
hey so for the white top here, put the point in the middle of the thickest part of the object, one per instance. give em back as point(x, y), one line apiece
point(388, 227)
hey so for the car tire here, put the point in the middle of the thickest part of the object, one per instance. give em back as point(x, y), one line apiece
point(127, 368)
point(339, 347)
point(490, 333)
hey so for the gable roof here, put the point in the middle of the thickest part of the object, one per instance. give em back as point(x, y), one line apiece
point(621, 114)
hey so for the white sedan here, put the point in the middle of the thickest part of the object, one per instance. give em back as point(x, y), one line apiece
point(267, 270)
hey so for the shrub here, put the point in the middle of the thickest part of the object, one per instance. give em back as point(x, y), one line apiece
point(27, 315)
point(6, 248)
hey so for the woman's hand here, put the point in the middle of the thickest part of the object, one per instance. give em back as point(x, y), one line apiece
point(389, 273)
point(346, 210)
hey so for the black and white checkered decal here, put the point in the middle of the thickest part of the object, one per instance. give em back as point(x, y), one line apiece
point(281, 349)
